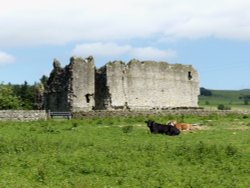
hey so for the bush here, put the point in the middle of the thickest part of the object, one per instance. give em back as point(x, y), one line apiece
point(223, 107)
point(8, 100)
point(205, 92)
point(246, 102)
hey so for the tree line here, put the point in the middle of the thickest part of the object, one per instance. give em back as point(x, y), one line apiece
point(22, 96)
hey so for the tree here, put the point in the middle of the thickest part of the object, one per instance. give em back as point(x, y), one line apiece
point(205, 92)
point(44, 80)
point(245, 98)
point(39, 96)
point(8, 100)
point(26, 93)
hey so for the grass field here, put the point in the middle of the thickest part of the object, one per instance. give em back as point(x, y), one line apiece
point(120, 152)
point(225, 97)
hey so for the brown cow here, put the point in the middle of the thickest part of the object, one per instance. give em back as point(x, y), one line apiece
point(182, 126)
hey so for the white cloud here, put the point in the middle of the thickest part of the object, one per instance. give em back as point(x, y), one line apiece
point(101, 49)
point(37, 22)
point(5, 58)
point(149, 53)
point(113, 50)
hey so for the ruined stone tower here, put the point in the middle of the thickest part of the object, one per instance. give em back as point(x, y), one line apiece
point(136, 86)
point(71, 88)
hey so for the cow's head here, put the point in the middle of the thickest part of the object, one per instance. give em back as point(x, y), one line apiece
point(149, 123)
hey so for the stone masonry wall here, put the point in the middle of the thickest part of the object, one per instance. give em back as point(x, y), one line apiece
point(102, 94)
point(82, 84)
point(152, 85)
point(57, 90)
point(116, 81)
point(22, 115)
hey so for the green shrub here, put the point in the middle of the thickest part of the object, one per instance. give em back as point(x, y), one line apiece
point(74, 125)
point(231, 150)
point(246, 102)
point(245, 116)
point(223, 107)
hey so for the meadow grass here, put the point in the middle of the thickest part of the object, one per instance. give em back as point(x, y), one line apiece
point(120, 152)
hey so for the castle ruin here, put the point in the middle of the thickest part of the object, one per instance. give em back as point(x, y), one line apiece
point(137, 85)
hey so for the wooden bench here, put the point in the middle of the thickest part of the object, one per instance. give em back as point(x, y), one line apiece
point(67, 115)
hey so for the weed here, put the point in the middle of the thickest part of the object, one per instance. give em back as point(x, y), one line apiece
point(41, 174)
point(74, 125)
point(127, 129)
point(245, 116)
point(231, 150)
point(99, 122)
point(210, 123)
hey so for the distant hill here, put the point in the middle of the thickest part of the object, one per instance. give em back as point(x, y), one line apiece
point(226, 97)
point(245, 90)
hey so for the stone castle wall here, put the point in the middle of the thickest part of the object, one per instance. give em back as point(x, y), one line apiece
point(82, 84)
point(57, 89)
point(136, 85)
point(149, 85)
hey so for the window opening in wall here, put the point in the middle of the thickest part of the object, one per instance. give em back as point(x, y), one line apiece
point(87, 96)
point(190, 76)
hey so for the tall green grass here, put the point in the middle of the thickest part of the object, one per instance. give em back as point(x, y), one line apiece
point(120, 152)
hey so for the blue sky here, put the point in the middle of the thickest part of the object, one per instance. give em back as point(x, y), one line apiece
point(213, 37)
